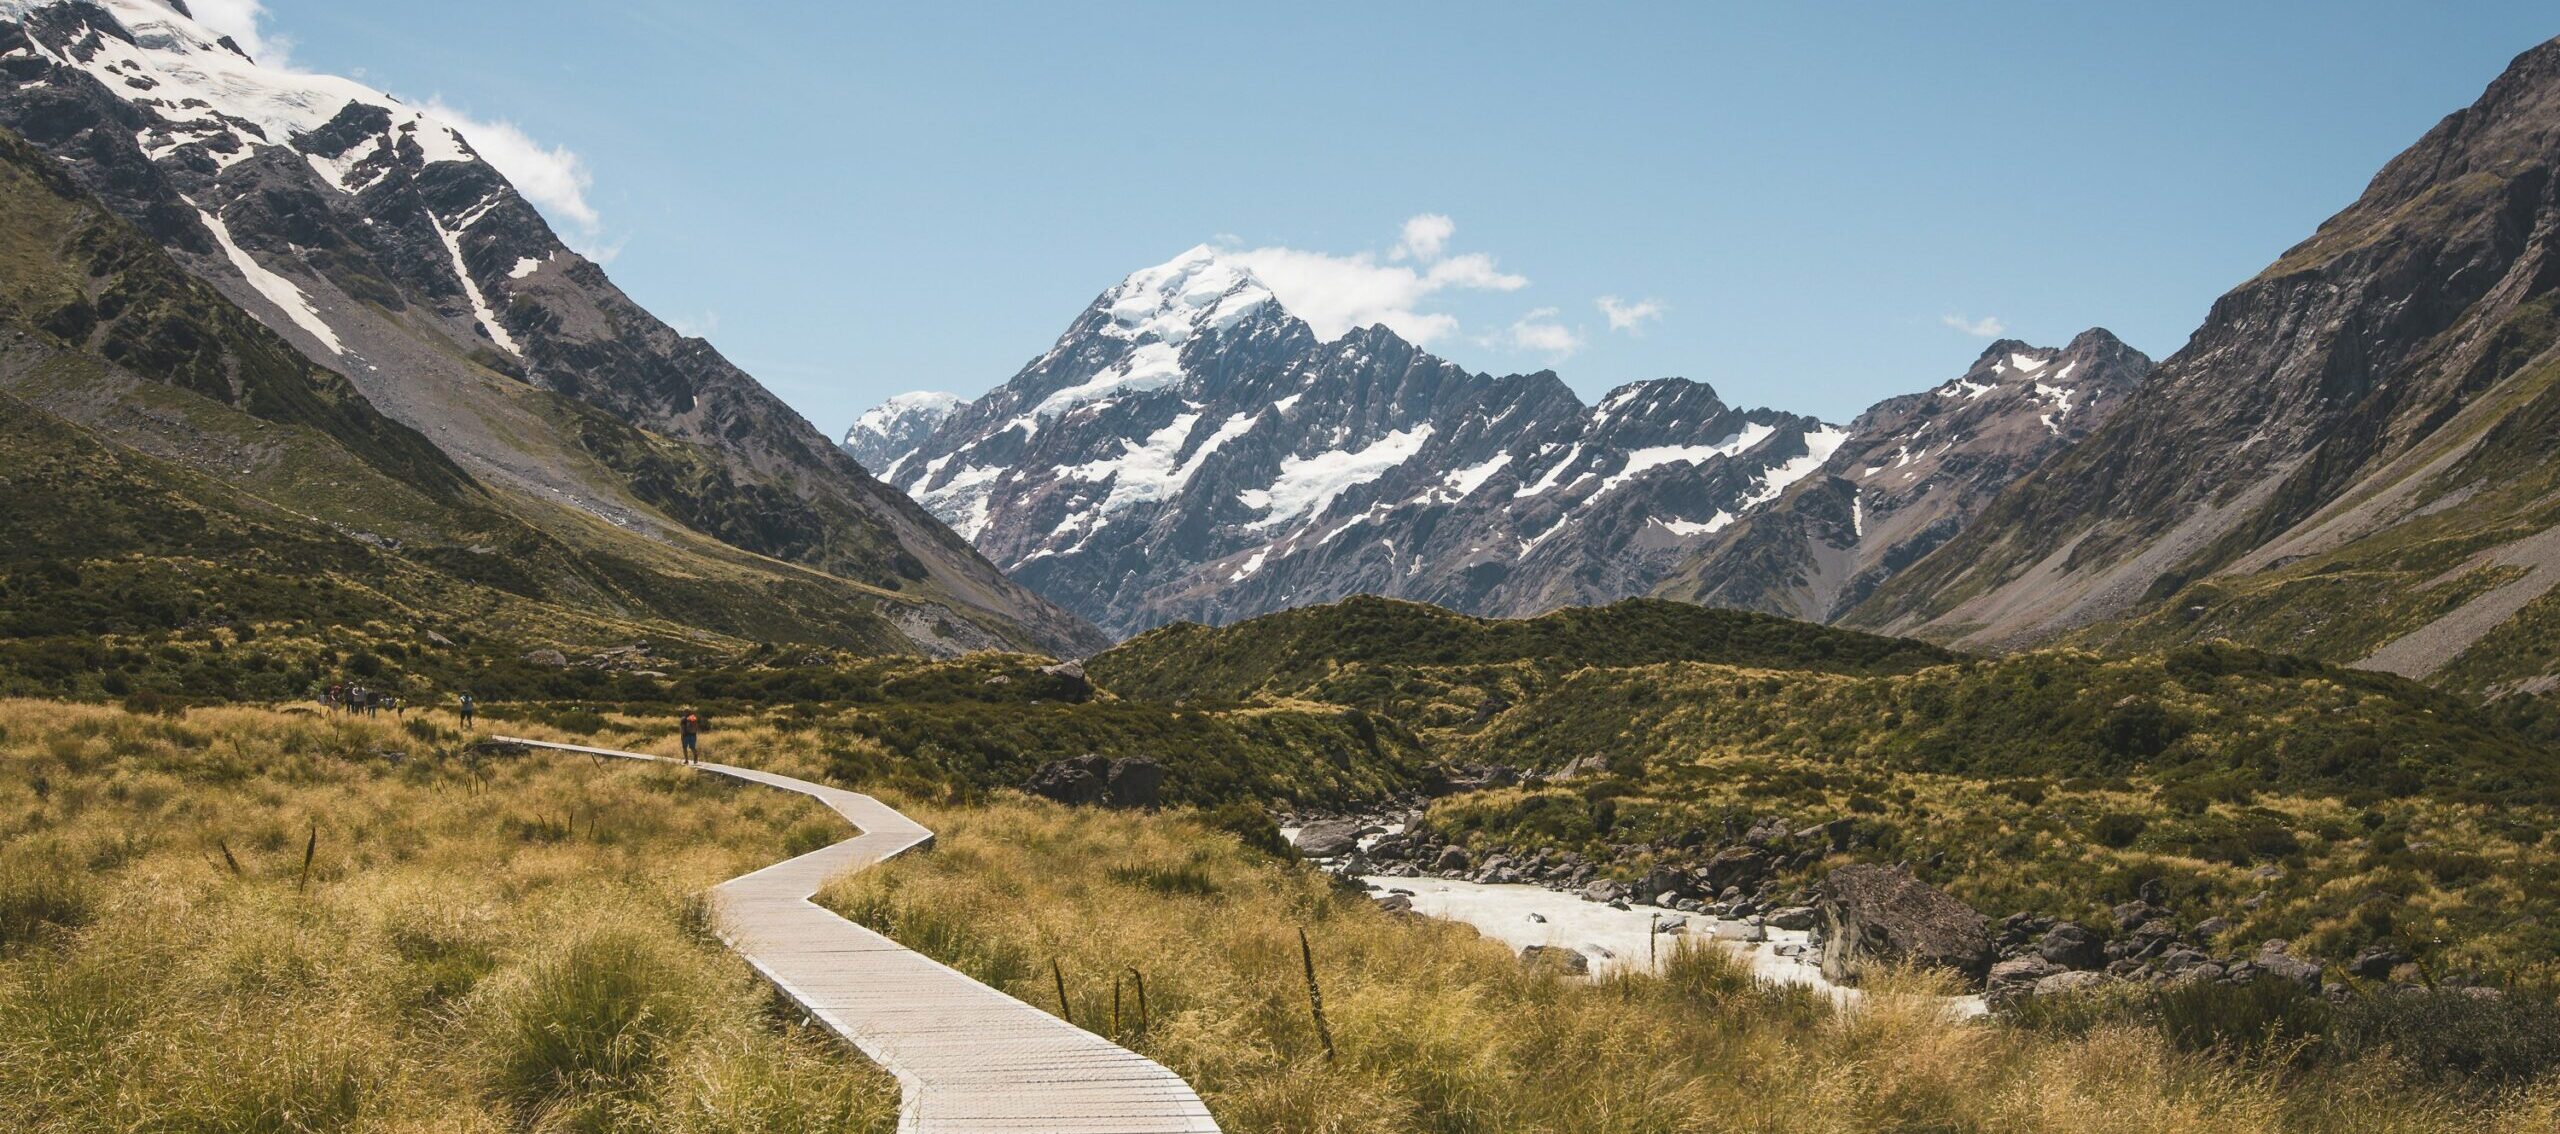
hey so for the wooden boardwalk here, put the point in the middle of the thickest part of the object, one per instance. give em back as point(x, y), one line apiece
point(968, 1058)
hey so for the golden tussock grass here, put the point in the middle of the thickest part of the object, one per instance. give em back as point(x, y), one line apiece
point(499, 945)
point(1438, 1030)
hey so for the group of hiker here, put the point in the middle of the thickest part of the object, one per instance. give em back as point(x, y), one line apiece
point(361, 701)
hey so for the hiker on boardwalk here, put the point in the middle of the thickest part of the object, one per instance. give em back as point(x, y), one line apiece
point(690, 728)
point(470, 709)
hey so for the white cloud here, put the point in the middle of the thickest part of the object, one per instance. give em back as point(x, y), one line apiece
point(1629, 317)
point(1425, 235)
point(554, 178)
point(1987, 327)
point(243, 21)
point(1539, 331)
point(1337, 294)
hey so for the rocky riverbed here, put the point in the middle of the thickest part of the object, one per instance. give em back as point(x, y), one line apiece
point(1753, 891)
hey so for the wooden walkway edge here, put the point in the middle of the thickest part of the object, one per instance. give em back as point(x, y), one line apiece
point(967, 1057)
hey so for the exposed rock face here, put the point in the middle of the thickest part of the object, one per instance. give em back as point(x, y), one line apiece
point(1915, 470)
point(376, 241)
point(2366, 422)
point(1191, 450)
point(1878, 915)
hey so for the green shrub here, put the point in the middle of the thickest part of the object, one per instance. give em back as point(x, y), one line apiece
point(2475, 1039)
point(1250, 824)
point(2118, 829)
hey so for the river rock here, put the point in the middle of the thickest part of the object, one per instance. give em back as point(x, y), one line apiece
point(1569, 960)
point(1451, 858)
point(2016, 979)
point(1793, 917)
point(1662, 880)
point(2064, 984)
point(1735, 866)
point(1329, 838)
point(1877, 915)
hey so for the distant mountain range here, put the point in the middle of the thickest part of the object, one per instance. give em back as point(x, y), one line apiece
point(441, 317)
point(1917, 470)
point(2351, 459)
point(1189, 449)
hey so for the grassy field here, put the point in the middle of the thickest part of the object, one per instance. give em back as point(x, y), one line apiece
point(510, 943)
point(473, 945)
point(1437, 1030)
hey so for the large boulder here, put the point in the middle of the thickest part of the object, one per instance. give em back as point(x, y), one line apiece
point(1879, 915)
point(1077, 781)
point(1329, 838)
point(1662, 880)
point(1736, 866)
point(1134, 781)
point(1083, 781)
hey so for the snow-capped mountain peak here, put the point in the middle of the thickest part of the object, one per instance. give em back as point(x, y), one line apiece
point(894, 428)
point(203, 84)
point(1191, 449)
point(1194, 292)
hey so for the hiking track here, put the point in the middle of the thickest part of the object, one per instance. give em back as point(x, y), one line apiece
point(968, 1058)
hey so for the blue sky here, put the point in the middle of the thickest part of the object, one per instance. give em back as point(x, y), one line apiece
point(1797, 203)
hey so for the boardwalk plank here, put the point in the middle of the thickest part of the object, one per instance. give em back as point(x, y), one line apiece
point(968, 1058)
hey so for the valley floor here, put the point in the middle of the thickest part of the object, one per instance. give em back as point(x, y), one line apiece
point(275, 919)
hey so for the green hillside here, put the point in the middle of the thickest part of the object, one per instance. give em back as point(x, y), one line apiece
point(1313, 650)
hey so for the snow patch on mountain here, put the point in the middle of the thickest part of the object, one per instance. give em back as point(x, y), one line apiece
point(280, 291)
point(1308, 485)
point(1642, 461)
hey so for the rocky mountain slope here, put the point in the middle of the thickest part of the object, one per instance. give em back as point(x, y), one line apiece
point(1191, 450)
point(378, 243)
point(2350, 459)
point(1915, 470)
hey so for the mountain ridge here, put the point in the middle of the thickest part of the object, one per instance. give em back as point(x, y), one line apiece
point(2347, 460)
point(372, 237)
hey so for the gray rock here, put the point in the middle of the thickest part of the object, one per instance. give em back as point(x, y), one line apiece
point(1571, 961)
point(1329, 838)
point(2015, 979)
point(2072, 946)
point(1876, 915)
point(1734, 867)
point(2274, 961)
point(2064, 984)
point(1451, 858)
point(552, 659)
point(1793, 917)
